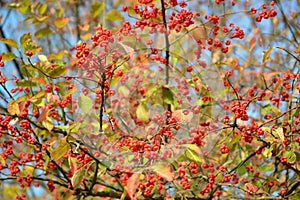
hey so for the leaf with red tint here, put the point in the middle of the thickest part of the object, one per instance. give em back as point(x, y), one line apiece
point(164, 171)
point(132, 185)
point(252, 188)
point(44, 114)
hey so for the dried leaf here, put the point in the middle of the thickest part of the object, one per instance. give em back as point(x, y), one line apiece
point(132, 185)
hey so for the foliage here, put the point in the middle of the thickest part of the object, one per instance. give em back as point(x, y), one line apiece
point(149, 99)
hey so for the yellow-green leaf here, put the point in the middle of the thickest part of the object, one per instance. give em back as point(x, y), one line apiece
point(266, 54)
point(167, 95)
point(114, 15)
point(43, 32)
point(192, 155)
point(25, 39)
point(43, 58)
point(48, 124)
point(9, 42)
point(61, 22)
point(96, 8)
point(77, 177)
point(280, 133)
point(85, 104)
point(61, 150)
point(8, 56)
point(142, 112)
point(2, 161)
point(42, 8)
point(291, 156)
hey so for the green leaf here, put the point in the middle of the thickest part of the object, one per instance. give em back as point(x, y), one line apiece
point(167, 95)
point(77, 177)
point(48, 124)
point(294, 112)
point(61, 22)
point(9, 42)
point(43, 58)
point(268, 151)
point(242, 170)
point(6, 56)
point(233, 142)
point(193, 147)
point(96, 8)
point(60, 11)
point(295, 196)
point(68, 92)
point(193, 155)
point(47, 160)
point(268, 109)
point(58, 71)
point(61, 150)
point(2, 161)
point(114, 15)
point(124, 194)
point(266, 54)
point(25, 39)
point(85, 104)
point(42, 9)
point(291, 156)
point(142, 112)
point(28, 83)
point(43, 32)
point(265, 168)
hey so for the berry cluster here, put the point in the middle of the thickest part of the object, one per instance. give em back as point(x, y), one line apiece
point(238, 110)
point(151, 181)
point(265, 13)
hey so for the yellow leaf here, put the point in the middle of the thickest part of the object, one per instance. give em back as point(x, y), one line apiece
point(61, 22)
point(13, 108)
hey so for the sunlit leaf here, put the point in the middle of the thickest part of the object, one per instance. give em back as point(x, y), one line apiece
point(61, 150)
point(77, 177)
point(43, 32)
point(25, 39)
point(266, 54)
point(61, 22)
point(48, 123)
point(13, 108)
point(9, 42)
point(8, 56)
point(43, 58)
point(280, 133)
point(96, 8)
point(142, 112)
point(2, 161)
point(290, 155)
point(85, 104)
point(265, 168)
point(42, 9)
point(164, 171)
point(114, 15)
point(269, 109)
point(192, 155)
